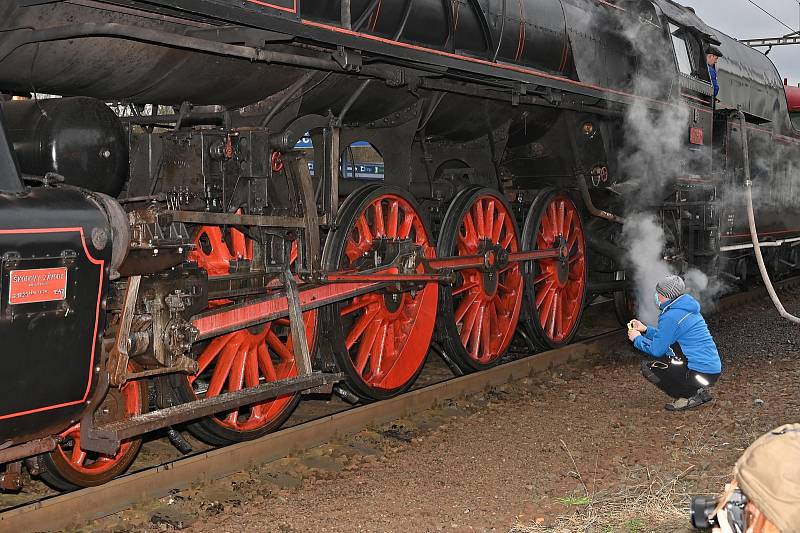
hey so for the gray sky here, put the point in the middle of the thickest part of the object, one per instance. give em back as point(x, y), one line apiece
point(742, 20)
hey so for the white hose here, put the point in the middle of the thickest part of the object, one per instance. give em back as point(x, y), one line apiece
point(748, 184)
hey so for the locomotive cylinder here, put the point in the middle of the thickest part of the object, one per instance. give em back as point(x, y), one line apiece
point(78, 138)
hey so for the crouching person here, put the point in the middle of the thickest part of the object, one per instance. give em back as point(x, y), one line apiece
point(687, 375)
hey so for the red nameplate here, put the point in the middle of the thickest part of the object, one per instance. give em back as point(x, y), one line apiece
point(37, 285)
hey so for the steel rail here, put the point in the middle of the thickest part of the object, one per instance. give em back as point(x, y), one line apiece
point(71, 509)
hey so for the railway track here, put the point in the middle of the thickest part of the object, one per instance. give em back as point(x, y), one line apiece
point(70, 509)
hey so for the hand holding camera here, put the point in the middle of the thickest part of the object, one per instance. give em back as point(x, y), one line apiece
point(637, 325)
point(764, 495)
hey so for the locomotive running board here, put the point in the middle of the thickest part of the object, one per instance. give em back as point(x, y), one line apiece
point(106, 439)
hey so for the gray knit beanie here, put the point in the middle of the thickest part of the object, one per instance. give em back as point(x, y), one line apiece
point(671, 287)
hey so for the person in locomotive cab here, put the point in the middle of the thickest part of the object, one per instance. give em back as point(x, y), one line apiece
point(712, 56)
point(687, 374)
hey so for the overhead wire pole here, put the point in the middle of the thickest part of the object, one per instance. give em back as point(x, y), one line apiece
point(769, 42)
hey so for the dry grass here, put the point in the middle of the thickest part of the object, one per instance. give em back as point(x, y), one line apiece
point(644, 501)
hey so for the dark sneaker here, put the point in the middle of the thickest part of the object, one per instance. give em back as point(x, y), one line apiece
point(682, 404)
point(678, 405)
point(704, 395)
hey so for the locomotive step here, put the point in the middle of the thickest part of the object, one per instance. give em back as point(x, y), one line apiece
point(106, 439)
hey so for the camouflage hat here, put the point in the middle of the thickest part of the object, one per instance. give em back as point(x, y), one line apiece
point(671, 287)
point(769, 474)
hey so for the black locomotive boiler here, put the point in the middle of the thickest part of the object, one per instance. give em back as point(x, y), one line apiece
point(169, 257)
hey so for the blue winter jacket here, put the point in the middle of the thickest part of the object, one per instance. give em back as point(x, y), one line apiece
point(712, 72)
point(680, 321)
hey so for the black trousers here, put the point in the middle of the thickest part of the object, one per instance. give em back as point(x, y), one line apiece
point(674, 378)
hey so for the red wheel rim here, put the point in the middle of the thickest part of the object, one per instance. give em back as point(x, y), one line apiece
point(389, 334)
point(487, 305)
point(118, 405)
point(560, 284)
point(246, 359)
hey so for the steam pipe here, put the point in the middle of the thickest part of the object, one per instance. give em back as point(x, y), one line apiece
point(587, 199)
point(406, 15)
point(365, 15)
point(361, 88)
point(347, 22)
point(601, 287)
point(502, 32)
point(59, 33)
point(296, 86)
point(352, 100)
point(748, 184)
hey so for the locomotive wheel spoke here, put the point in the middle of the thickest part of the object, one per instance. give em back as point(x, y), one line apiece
point(385, 336)
point(359, 328)
point(208, 356)
point(479, 317)
point(78, 455)
point(465, 304)
point(558, 287)
point(464, 288)
point(265, 364)
point(236, 376)
point(391, 225)
point(489, 222)
point(223, 367)
point(408, 224)
point(353, 307)
point(378, 351)
point(251, 368)
point(246, 359)
point(364, 348)
point(498, 229)
point(380, 229)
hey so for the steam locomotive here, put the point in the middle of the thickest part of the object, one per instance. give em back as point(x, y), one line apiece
point(169, 258)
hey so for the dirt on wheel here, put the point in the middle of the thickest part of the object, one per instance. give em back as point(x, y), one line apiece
point(588, 448)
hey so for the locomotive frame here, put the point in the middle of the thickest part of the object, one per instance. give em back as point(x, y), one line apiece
point(220, 250)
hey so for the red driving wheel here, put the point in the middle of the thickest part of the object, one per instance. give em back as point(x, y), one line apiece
point(386, 334)
point(555, 288)
point(242, 359)
point(479, 314)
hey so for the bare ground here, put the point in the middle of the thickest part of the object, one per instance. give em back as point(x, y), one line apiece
point(586, 449)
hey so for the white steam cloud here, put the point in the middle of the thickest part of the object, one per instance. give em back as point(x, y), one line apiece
point(643, 237)
point(654, 153)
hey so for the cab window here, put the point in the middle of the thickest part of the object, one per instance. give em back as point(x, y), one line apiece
point(681, 50)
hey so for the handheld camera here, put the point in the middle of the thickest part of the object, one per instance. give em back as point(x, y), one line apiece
point(704, 517)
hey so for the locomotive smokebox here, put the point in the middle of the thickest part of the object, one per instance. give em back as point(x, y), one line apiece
point(79, 138)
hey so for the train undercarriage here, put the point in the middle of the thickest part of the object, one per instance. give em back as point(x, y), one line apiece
point(237, 294)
